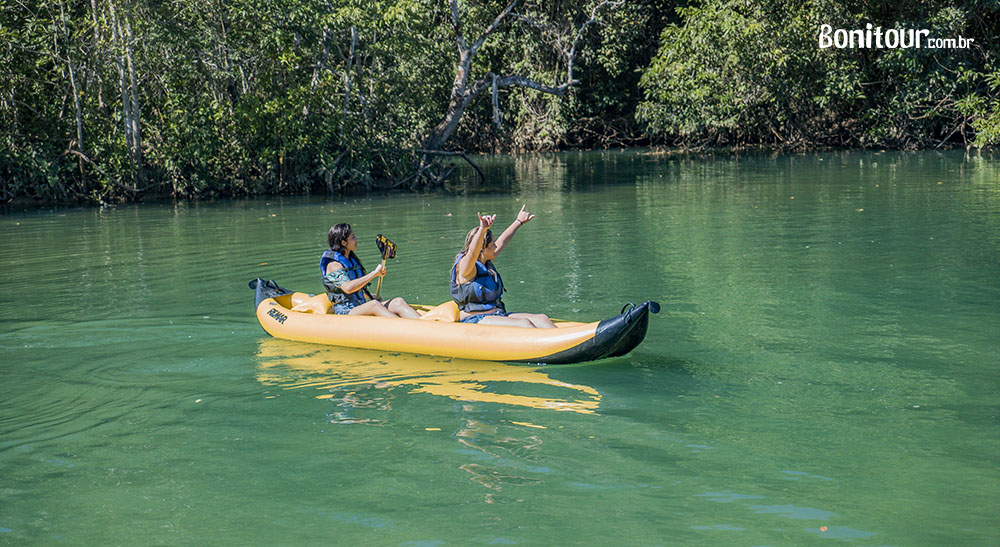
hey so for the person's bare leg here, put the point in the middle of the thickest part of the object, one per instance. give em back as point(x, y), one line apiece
point(372, 307)
point(506, 321)
point(539, 320)
point(399, 307)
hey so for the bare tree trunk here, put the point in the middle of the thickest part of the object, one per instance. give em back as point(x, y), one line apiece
point(130, 92)
point(120, 65)
point(230, 85)
point(321, 62)
point(134, 97)
point(463, 93)
point(347, 79)
point(243, 81)
point(456, 105)
point(97, 46)
point(72, 82)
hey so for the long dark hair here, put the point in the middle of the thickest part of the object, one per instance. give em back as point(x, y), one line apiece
point(335, 237)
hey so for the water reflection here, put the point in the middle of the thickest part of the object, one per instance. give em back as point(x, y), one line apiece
point(360, 384)
point(338, 373)
point(502, 455)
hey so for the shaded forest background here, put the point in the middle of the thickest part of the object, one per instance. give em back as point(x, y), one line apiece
point(118, 100)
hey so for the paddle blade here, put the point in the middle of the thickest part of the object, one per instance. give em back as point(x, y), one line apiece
point(385, 247)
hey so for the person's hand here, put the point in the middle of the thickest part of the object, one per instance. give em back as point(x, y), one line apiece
point(524, 216)
point(379, 271)
point(486, 221)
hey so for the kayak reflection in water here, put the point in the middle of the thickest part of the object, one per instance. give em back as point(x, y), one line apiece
point(368, 379)
point(344, 279)
point(476, 285)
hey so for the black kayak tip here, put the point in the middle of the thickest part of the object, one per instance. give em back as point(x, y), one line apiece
point(265, 290)
point(653, 307)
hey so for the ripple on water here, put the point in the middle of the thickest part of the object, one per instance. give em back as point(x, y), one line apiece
point(796, 475)
point(840, 532)
point(73, 377)
point(720, 527)
point(793, 512)
point(729, 497)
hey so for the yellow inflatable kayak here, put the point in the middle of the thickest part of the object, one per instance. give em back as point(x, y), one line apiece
point(306, 318)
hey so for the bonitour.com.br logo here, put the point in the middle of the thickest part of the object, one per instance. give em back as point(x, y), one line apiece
point(879, 38)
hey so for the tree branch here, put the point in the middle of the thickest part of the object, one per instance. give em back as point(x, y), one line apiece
point(514, 79)
point(456, 22)
point(493, 26)
point(463, 94)
point(463, 155)
point(529, 21)
point(593, 19)
point(570, 55)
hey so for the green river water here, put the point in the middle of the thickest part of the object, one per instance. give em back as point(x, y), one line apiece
point(825, 366)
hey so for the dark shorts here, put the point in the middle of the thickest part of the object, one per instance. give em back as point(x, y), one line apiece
point(343, 309)
point(475, 318)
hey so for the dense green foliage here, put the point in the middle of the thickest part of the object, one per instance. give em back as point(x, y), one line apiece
point(752, 72)
point(233, 97)
point(112, 100)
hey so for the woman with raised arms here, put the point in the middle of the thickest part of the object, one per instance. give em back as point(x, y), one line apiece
point(476, 285)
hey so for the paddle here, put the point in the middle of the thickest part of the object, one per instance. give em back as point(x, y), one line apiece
point(388, 250)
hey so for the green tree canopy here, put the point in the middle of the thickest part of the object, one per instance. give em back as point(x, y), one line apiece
point(752, 72)
point(112, 100)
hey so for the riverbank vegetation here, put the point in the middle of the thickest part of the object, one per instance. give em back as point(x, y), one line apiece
point(116, 100)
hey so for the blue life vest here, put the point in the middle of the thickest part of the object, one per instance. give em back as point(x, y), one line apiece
point(354, 271)
point(482, 293)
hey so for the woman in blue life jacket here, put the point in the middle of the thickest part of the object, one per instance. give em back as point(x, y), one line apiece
point(476, 285)
point(344, 279)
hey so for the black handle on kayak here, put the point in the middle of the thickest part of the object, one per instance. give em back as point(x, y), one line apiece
point(630, 310)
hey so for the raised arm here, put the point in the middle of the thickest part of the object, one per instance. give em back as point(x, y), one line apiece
point(467, 265)
point(523, 217)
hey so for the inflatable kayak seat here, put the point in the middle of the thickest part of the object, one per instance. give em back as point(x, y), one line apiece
point(315, 304)
point(447, 312)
